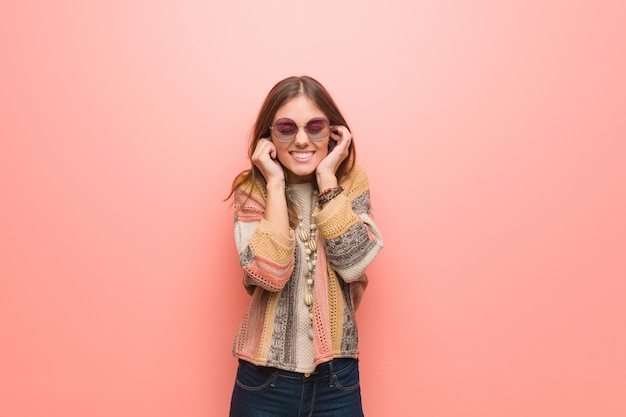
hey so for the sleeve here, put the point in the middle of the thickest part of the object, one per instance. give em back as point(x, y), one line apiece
point(265, 255)
point(350, 237)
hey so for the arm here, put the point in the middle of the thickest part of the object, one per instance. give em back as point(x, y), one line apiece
point(266, 255)
point(351, 238)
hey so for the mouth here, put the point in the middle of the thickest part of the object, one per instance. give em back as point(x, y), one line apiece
point(302, 156)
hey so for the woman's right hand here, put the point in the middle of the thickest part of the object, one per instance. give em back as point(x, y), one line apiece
point(264, 158)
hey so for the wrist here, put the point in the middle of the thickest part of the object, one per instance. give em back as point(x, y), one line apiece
point(275, 186)
point(326, 181)
point(328, 194)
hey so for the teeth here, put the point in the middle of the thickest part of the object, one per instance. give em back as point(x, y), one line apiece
point(302, 155)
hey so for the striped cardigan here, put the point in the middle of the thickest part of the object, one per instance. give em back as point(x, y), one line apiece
point(348, 241)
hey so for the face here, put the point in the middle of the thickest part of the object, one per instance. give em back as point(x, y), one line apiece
point(301, 155)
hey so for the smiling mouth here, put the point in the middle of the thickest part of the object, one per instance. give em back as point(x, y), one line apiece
point(302, 155)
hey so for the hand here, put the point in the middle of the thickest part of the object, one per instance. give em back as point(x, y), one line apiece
point(264, 158)
point(329, 165)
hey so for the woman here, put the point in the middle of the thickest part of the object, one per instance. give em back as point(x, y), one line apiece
point(305, 238)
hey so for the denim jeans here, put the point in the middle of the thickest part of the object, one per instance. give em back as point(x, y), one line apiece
point(333, 390)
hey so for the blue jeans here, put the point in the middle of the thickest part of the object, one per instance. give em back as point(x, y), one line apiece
point(333, 390)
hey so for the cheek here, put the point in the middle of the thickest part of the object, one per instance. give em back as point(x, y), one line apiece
point(280, 149)
point(324, 148)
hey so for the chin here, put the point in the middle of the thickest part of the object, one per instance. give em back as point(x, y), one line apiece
point(299, 176)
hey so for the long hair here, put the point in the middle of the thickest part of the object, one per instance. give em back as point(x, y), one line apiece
point(282, 92)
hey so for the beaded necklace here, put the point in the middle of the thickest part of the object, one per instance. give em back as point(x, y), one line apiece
point(309, 240)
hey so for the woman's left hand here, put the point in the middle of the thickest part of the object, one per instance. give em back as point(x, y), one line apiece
point(329, 165)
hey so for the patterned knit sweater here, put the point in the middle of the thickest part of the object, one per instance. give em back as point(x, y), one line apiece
point(348, 241)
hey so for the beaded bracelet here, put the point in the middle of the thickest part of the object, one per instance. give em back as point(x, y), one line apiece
point(328, 194)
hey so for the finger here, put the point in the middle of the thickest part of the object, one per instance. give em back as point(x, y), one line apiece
point(263, 152)
point(265, 148)
point(271, 149)
point(342, 132)
point(344, 137)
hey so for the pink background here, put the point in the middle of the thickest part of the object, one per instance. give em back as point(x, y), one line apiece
point(495, 139)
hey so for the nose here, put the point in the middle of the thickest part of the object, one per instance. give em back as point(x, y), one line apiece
point(302, 138)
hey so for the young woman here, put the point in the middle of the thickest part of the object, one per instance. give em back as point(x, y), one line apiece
point(305, 237)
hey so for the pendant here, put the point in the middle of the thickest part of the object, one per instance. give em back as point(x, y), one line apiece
point(308, 299)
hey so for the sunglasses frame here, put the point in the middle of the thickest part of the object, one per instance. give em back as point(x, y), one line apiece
point(304, 126)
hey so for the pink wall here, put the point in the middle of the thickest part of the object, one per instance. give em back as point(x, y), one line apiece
point(495, 139)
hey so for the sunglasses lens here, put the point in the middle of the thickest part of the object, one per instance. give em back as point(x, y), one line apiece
point(285, 128)
point(317, 128)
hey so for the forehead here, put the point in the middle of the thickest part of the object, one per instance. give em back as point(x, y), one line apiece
point(300, 109)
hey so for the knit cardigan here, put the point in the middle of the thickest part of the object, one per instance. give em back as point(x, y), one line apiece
point(348, 241)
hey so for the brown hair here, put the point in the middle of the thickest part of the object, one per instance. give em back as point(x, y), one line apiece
point(282, 92)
